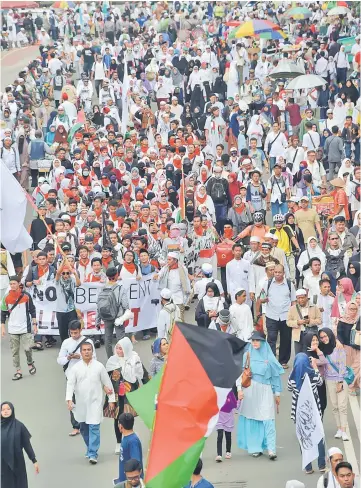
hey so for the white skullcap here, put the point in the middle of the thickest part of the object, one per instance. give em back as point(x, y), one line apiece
point(255, 239)
point(207, 268)
point(295, 484)
point(268, 234)
point(301, 292)
point(166, 294)
point(334, 450)
point(173, 255)
point(61, 234)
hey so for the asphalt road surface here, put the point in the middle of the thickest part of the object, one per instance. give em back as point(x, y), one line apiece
point(40, 403)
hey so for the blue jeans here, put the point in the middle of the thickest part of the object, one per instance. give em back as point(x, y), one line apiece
point(321, 457)
point(272, 161)
point(357, 152)
point(348, 149)
point(278, 207)
point(221, 215)
point(91, 436)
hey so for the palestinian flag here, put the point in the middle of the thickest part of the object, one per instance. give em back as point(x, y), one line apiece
point(183, 401)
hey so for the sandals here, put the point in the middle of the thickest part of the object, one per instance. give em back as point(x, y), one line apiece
point(74, 433)
point(48, 344)
point(309, 472)
point(38, 346)
point(32, 370)
point(17, 376)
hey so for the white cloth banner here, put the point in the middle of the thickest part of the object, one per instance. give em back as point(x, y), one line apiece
point(144, 301)
point(309, 428)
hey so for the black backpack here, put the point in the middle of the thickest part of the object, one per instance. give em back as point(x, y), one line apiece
point(217, 192)
point(57, 84)
point(335, 264)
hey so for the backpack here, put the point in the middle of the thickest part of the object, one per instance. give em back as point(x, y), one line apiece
point(108, 308)
point(2, 151)
point(58, 84)
point(217, 192)
point(270, 281)
point(335, 264)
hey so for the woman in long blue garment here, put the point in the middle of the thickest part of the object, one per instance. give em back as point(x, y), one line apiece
point(256, 425)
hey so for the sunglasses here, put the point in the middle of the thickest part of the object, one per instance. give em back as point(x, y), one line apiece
point(65, 273)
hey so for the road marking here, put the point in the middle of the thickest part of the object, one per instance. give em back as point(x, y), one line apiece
point(12, 51)
point(355, 412)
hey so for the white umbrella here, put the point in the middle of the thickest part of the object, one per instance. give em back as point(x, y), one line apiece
point(338, 11)
point(306, 81)
point(286, 69)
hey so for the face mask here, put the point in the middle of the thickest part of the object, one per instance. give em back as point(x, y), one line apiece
point(85, 173)
point(228, 233)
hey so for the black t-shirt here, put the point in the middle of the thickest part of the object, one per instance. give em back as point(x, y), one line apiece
point(88, 54)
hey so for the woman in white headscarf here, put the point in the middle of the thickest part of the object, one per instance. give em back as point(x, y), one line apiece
point(313, 250)
point(346, 167)
point(339, 113)
point(232, 84)
point(201, 198)
point(125, 370)
point(255, 130)
point(342, 65)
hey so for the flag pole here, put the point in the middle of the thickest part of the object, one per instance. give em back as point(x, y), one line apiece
point(183, 196)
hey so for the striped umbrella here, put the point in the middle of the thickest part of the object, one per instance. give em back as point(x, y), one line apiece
point(329, 5)
point(254, 27)
point(298, 13)
point(64, 5)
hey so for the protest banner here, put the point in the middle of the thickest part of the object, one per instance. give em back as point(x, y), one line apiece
point(143, 295)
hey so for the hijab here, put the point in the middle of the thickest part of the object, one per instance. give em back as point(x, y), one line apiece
point(264, 363)
point(115, 361)
point(355, 278)
point(339, 113)
point(348, 291)
point(12, 432)
point(317, 251)
point(350, 91)
point(287, 217)
point(301, 367)
point(211, 303)
point(323, 137)
point(327, 349)
point(156, 347)
point(255, 128)
point(177, 77)
point(307, 342)
point(350, 317)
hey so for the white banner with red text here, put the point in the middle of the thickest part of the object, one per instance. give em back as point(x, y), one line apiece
point(144, 302)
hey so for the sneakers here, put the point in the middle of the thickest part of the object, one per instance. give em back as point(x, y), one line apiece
point(218, 459)
point(338, 434)
point(228, 455)
point(272, 455)
point(345, 436)
point(117, 449)
point(93, 461)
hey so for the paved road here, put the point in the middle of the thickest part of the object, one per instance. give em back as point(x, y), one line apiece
point(40, 404)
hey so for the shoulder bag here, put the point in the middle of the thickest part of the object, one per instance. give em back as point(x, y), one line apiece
point(350, 375)
point(247, 373)
point(270, 144)
point(65, 367)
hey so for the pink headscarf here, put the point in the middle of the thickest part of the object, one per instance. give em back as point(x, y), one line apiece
point(348, 292)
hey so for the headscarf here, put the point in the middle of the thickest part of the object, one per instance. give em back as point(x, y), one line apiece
point(350, 91)
point(156, 347)
point(211, 303)
point(255, 128)
point(189, 209)
point(355, 278)
point(287, 217)
point(115, 361)
point(13, 433)
point(308, 341)
point(264, 363)
point(345, 169)
point(323, 138)
point(301, 367)
point(317, 251)
point(327, 349)
point(177, 77)
point(350, 317)
point(339, 113)
point(348, 291)
point(61, 136)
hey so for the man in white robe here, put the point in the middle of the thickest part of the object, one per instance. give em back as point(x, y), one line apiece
point(87, 379)
point(239, 274)
point(215, 129)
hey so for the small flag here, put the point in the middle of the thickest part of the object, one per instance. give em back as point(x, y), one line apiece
point(309, 428)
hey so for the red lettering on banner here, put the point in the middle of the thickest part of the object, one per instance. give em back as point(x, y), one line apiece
point(135, 320)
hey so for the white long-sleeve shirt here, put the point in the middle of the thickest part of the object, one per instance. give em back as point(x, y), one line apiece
point(11, 158)
point(239, 274)
point(279, 145)
point(87, 382)
point(241, 321)
point(68, 347)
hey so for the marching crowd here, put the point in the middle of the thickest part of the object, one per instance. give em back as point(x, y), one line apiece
point(152, 141)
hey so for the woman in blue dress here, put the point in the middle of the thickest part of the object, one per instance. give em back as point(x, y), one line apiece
point(256, 425)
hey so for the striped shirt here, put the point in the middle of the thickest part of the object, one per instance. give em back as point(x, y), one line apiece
point(316, 380)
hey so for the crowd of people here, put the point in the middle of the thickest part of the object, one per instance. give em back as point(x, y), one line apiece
point(153, 141)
